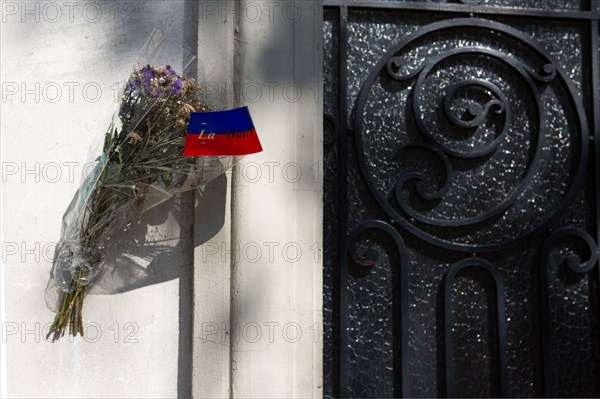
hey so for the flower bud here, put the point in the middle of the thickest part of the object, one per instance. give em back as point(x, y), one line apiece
point(185, 111)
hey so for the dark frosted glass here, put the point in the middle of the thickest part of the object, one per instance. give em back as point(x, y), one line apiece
point(574, 5)
point(330, 209)
point(477, 185)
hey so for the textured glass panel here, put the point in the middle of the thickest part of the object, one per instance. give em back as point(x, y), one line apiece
point(330, 213)
point(537, 4)
point(371, 306)
point(541, 4)
point(478, 185)
point(330, 65)
point(474, 335)
point(370, 35)
point(564, 42)
point(523, 346)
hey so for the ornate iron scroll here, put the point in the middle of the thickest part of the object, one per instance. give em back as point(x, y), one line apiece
point(463, 119)
point(368, 260)
point(575, 264)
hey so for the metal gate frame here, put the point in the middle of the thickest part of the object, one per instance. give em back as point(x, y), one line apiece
point(468, 8)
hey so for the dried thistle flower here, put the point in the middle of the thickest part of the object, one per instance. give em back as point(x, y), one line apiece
point(181, 124)
point(185, 111)
point(134, 138)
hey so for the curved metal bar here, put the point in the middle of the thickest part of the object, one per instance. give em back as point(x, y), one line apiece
point(548, 73)
point(419, 175)
point(466, 24)
point(575, 264)
point(539, 142)
point(336, 131)
point(512, 62)
point(479, 113)
point(395, 62)
point(369, 260)
point(448, 321)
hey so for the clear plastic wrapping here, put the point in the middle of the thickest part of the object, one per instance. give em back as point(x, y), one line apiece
point(138, 163)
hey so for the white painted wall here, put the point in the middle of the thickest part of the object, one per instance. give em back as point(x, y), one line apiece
point(246, 306)
point(137, 353)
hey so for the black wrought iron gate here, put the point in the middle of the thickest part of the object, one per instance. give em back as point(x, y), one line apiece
point(462, 190)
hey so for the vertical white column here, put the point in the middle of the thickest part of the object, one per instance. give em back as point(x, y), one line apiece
point(3, 364)
point(3, 380)
point(277, 204)
point(212, 221)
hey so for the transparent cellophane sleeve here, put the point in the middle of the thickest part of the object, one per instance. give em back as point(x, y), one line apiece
point(121, 260)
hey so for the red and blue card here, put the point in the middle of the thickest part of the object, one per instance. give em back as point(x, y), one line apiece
point(229, 132)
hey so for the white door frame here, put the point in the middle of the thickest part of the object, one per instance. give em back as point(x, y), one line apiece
point(258, 280)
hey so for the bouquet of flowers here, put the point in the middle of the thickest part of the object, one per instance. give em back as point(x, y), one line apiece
point(140, 165)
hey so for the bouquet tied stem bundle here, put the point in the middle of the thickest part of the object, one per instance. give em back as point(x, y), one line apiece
point(143, 149)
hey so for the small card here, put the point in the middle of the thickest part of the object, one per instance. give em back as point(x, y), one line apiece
point(229, 132)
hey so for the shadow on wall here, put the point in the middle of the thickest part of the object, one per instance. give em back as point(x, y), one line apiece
point(142, 255)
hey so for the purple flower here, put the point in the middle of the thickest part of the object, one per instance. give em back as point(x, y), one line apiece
point(148, 72)
point(156, 81)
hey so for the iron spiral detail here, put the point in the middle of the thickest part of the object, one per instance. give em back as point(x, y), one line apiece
point(465, 109)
